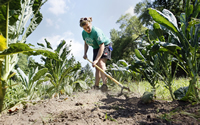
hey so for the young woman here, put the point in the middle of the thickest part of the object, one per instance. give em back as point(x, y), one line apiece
point(102, 48)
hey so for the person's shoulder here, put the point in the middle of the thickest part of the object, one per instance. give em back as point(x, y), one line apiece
point(83, 32)
point(96, 29)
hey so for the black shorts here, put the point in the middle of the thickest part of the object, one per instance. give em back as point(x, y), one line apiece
point(106, 53)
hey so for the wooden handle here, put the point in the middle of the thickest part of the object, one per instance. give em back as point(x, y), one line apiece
point(114, 80)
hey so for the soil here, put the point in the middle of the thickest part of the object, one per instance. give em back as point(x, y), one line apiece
point(96, 108)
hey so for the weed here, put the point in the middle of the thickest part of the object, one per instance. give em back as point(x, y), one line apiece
point(109, 118)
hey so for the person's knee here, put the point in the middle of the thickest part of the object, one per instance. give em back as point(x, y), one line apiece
point(102, 65)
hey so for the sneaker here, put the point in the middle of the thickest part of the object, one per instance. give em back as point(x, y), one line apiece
point(95, 87)
point(104, 88)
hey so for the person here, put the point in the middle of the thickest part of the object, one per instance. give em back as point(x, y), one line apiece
point(102, 48)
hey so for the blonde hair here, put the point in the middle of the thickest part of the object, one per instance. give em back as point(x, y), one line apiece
point(85, 20)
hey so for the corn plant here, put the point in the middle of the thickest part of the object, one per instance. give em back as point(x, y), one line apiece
point(186, 40)
point(14, 16)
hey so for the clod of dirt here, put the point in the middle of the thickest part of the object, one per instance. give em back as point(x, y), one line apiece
point(78, 104)
point(104, 88)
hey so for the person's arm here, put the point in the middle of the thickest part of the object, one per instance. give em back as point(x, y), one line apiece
point(85, 50)
point(100, 52)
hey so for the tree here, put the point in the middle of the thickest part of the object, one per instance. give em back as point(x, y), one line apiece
point(124, 40)
point(175, 6)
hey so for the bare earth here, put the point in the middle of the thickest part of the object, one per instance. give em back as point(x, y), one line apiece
point(96, 108)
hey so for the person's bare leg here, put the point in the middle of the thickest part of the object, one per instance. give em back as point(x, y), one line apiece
point(102, 65)
point(97, 77)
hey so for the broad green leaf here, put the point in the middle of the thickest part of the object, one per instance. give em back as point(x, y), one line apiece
point(197, 35)
point(15, 11)
point(170, 46)
point(170, 16)
point(158, 32)
point(163, 20)
point(42, 81)
point(68, 89)
point(23, 77)
point(123, 62)
point(139, 54)
point(40, 74)
point(81, 83)
point(16, 48)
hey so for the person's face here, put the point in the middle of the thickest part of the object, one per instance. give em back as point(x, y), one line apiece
point(88, 27)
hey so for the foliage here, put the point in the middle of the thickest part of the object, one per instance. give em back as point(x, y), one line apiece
point(14, 16)
point(146, 63)
point(60, 70)
point(165, 60)
point(31, 81)
point(85, 74)
point(123, 41)
point(2, 43)
point(180, 93)
point(162, 93)
point(186, 38)
point(141, 8)
point(14, 94)
point(119, 70)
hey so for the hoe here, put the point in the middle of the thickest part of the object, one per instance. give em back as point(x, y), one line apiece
point(114, 80)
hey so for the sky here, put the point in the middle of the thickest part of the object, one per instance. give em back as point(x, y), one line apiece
point(61, 22)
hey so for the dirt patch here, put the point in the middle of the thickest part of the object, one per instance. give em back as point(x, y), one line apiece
point(96, 108)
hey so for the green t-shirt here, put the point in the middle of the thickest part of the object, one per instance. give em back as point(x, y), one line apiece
point(95, 37)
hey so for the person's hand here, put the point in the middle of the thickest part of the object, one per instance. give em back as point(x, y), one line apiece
point(85, 57)
point(94, 62)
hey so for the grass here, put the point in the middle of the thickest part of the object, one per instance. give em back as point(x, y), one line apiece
point(162, 93)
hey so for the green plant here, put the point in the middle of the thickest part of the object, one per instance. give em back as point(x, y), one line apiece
point(109, 117)
point(60, 71)
point(120, 69)
point(146, 63)
point(31, 81)
point(14, 94)
point(186, 42)
point(15, 15)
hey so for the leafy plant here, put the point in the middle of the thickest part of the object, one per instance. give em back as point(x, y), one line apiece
point(120, 69)
point(146, 63)
point(30, 82)
point(14, 16)
point(60, 70)
point(186, 40)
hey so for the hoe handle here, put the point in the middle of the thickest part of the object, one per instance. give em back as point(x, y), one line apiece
point(114, 80)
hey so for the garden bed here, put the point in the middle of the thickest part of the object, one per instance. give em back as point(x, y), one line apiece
point(94, 107)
